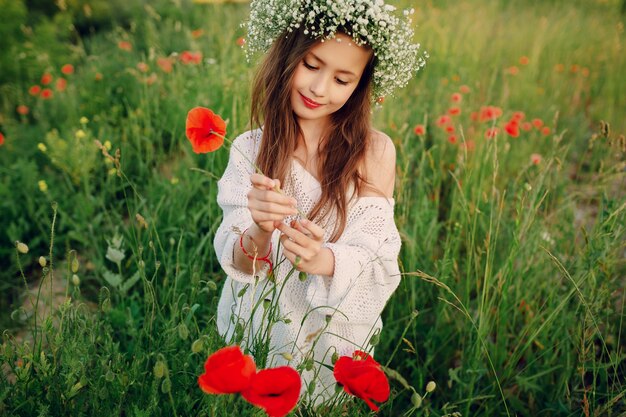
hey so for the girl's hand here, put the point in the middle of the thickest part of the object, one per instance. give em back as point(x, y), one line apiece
point(267, 206)
point(302, 246)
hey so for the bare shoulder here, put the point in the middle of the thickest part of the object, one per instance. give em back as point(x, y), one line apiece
point(379, 165)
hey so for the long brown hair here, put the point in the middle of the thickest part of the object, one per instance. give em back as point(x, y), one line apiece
point(341, 150)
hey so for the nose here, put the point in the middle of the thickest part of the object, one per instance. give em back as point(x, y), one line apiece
point(319, 85)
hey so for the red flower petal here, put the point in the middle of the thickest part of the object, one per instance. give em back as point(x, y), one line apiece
point(227, 371)
point(419, 130)
point(46, 79)
point(205, 130)
point(362, 377)
point(67, 69)
point(275, 390)
point(512, 128)
point(1, 139)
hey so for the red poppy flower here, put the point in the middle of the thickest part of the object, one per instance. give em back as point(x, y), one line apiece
point(513, 70)
point(489, 113)
point(241, 41)
point(34, 90)
point(46, 79)
point(524, 60)
point(442, 121)
point(143, 67)
point(61, 84)
point(450, 129)
point(125, 45)
point(527, 126)
point(1, 139)
point(188, 57)
point(419, 130)
point(512, 128)
point(227, 371)
point(275, 390)
point(452, 139)
point(518, 116)
point(545, 131)
point(464, 89)
point(454, 111)
point(456, 97)
point(205, 130)
point(22, 109)
point(67, 69)
point(537, 123)
point(165, 64)
point(491, 132)
point(46, 93)
point(363, 377)
point(535, 159)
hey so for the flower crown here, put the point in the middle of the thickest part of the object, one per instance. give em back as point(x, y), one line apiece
point(370, 22)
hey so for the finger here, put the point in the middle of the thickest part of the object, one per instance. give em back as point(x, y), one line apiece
point(271, 197)
point(306, 225)
point(261, 181)
point(296, 236)
point(272, 208)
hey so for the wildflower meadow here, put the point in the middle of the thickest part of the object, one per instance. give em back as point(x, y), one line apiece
point(510, 200)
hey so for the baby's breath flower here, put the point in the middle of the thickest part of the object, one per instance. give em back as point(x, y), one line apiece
point(370, 22)
point(42, 147)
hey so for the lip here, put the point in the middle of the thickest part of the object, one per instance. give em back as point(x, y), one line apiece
point(309, 103)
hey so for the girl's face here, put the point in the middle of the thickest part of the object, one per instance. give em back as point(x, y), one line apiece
point(325, 79)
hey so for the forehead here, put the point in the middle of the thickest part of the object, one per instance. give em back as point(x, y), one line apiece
point(342, 54)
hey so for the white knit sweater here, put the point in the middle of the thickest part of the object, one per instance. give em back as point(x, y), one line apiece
point(319, 315)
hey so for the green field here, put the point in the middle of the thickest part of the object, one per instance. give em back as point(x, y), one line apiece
point(514, 243)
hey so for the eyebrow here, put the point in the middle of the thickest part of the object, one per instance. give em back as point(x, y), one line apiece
point(324, 63)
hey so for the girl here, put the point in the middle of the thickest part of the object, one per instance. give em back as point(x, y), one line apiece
point(324, 203)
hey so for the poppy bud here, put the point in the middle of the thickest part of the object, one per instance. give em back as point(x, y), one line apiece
point(75, 265)
point(110, 376)
point(159, 369)
point(430, 387)
point(183, 331)
point(21, 247)
point(211, 285)
point(166, 386)
point(42, 261)
point(302, 276)
point(375, 339)
point(83, 120)
point(416, 400)
point(197, 346)
point(334, 358)
point(288, 356)
point(75, 280)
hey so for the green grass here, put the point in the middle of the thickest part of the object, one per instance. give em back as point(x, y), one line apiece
point(515, 270)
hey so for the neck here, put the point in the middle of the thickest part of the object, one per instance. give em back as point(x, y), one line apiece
point(312, 132)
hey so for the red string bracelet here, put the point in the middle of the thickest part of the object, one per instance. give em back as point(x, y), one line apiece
point(266, 258)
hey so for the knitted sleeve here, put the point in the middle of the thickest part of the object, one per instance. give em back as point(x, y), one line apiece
point(232, 193)
point(366, 265)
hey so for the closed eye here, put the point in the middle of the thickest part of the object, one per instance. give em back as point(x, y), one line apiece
point(341, 82)
point(308, 66)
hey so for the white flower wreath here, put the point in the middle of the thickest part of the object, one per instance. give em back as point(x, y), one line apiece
point(370, 22)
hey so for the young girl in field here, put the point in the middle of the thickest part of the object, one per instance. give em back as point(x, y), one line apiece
point(310, 245)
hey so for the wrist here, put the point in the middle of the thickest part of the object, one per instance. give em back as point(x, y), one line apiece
point(324, 263)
